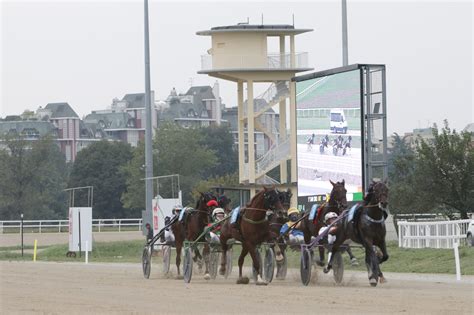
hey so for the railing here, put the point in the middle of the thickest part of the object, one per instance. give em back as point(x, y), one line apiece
point(275, 154)
point(271, 61)
point(432, 234)
point(58, 226)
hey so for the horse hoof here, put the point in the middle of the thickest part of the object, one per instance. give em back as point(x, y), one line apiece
point(326, 269)
point(179, 277)
point(354, 262)
point(207, 276)
point(261, 282)
point(320, 263)
point(373, 282)
point(243, 280)
point(222, 271)
point(382, 280)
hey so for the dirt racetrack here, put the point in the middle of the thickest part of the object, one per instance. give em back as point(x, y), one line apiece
point(60, 288)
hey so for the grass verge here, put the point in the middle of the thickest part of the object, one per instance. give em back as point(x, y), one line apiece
point(401, 259)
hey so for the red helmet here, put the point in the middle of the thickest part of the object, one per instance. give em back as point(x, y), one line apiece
point(212, 203)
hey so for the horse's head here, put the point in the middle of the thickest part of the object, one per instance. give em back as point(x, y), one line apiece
point(203, 200)
point(285, 198)
point(338, 194)
point(272, 200)
point(378, 194)
point(224, 203)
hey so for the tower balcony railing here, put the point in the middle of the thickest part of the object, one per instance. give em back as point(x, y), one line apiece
point(272, 61)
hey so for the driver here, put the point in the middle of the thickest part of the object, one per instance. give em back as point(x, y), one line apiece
point(295, 236)
point(218, 214)
point(169, 236)
point(329, 218)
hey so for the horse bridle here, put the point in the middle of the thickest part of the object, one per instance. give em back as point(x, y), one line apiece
point(375, 205)
point(270, 207)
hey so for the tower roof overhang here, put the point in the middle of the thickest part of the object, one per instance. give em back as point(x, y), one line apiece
point(269, 30)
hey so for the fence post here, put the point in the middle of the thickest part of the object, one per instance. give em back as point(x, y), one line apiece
point(120, 223)
point(40, 227)
point(99, 224)
point(456, 260)
point(399, 234)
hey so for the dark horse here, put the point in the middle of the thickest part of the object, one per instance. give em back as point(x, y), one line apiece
point(224, 203)
point(253, 230)
point(194, 223)
point(337, 203)
point(368, 229)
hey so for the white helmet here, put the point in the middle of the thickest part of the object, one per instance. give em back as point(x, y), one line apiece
point(217, 211)
point(329, 215)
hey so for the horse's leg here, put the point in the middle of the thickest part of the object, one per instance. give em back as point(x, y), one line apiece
point(383, 248)
point(371, 261)
point(223, 257)
point(256, 263)
point(353, 259)
point(179, 246)
point(243, 253)
point(206, 253)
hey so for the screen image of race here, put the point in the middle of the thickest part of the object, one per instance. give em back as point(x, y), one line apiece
point(328, 124)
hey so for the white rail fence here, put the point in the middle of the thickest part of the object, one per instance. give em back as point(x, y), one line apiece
point(439, 234)
point(58, 226)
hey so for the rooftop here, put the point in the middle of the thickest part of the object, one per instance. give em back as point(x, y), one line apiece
point(269, 29)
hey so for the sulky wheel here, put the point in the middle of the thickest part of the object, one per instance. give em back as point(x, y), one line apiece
point(338, 267)
point(166, 250)
point(254, 272)
point(269, 265)
point(305, 266)
point(188, 265)
point(146, 261)
point(213, 264)
point(228, 263)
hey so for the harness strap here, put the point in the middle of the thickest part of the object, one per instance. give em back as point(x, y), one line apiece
point(252, 221)
point(373, 220)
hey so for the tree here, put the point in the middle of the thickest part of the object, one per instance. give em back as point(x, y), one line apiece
point(178, 150)
point(100, 165)
point(446, 170)
point(220, 140)
point(404, 183)
point(32, 179)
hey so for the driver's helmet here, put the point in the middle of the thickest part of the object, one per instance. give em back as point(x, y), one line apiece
point(329, 216)
point(217, 211)
point(176, 209)
point(212, 203)
point(293, 214)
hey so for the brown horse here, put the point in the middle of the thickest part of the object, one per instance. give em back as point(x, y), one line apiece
point(368, 229)
point(194, 223)
point(253, 230)
point(337, 203)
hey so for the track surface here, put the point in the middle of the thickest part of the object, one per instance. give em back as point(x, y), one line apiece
point(28, 287)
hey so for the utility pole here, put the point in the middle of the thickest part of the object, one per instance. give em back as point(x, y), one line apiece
point(345, 54)
point(148, 127)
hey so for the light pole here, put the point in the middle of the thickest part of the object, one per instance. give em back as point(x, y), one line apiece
point(148, 127)
point(21, 232)
point(345, 54)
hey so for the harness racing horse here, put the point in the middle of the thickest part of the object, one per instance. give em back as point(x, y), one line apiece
point(368, 229)
point(276, 222)
point(253, 230)
point(224, 203)
point(337, 203)
point(194, 223)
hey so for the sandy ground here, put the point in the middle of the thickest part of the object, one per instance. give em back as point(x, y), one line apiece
point(63, 238)
point(57, 288)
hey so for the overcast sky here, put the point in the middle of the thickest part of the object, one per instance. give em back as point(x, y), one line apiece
point(88, 52)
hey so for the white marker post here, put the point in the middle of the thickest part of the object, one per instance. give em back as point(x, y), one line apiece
point(456, 259)
point(87, 252)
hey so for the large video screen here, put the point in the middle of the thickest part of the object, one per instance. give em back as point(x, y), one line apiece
point(329, 135)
